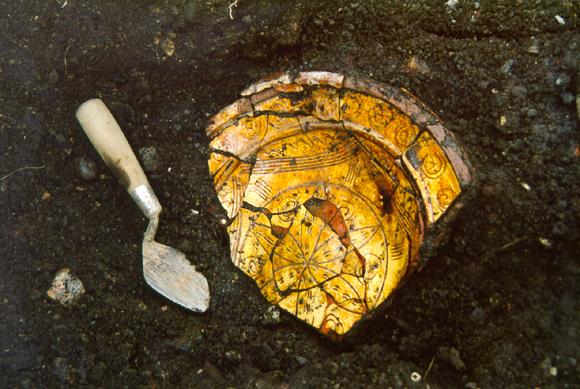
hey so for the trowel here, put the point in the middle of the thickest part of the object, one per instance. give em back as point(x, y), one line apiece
point(165, 269)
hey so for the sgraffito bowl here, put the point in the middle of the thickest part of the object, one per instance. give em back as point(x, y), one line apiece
point(331, 184)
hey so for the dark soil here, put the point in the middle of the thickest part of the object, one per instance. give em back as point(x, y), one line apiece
point(494, 308)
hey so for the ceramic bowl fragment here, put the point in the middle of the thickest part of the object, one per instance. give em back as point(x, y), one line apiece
point(331, 184)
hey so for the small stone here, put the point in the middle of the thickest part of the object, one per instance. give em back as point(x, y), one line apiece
point(233, 356)
point(141, 306)
point(563, 80)
point(560, 20)
point(553, 371)
point(150, 158)
point(301, 360)
point(572, 56)
point(66, 288)
point(168, 45)
point(534, 48)
point(559, 229)
point(526, 186)
point(532, 113)
point(547, 243)
point(124, 114)
point(506, 68)
point(86, 169)
point(272, 315)
point(509, 122)
point(477, 315)
point(53, 77)
point(567, 98)
point(416, 65)
point(451, 3)
point(451, 356)
point(520, 92)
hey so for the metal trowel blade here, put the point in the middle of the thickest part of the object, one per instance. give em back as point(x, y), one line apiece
point(180, 282)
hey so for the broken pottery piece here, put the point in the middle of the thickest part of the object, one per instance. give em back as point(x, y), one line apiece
point(331, 184)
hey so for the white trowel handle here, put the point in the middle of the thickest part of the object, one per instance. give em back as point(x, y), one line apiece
point(109, 140)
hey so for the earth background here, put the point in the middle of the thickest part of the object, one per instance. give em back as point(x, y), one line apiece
point(497, 306)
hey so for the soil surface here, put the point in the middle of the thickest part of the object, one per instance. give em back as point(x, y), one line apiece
point(497, 306)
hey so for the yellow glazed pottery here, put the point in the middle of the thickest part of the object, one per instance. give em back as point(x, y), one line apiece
point(331, 184)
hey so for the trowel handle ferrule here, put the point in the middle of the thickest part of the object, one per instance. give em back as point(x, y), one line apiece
point(108, 138)
point(145, 198)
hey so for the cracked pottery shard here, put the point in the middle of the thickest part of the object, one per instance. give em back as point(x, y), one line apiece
point(332, 184)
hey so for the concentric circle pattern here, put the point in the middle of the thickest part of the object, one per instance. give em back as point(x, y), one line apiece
point(331, 183)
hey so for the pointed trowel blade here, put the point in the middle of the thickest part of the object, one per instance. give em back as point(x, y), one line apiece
point(168, 271)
